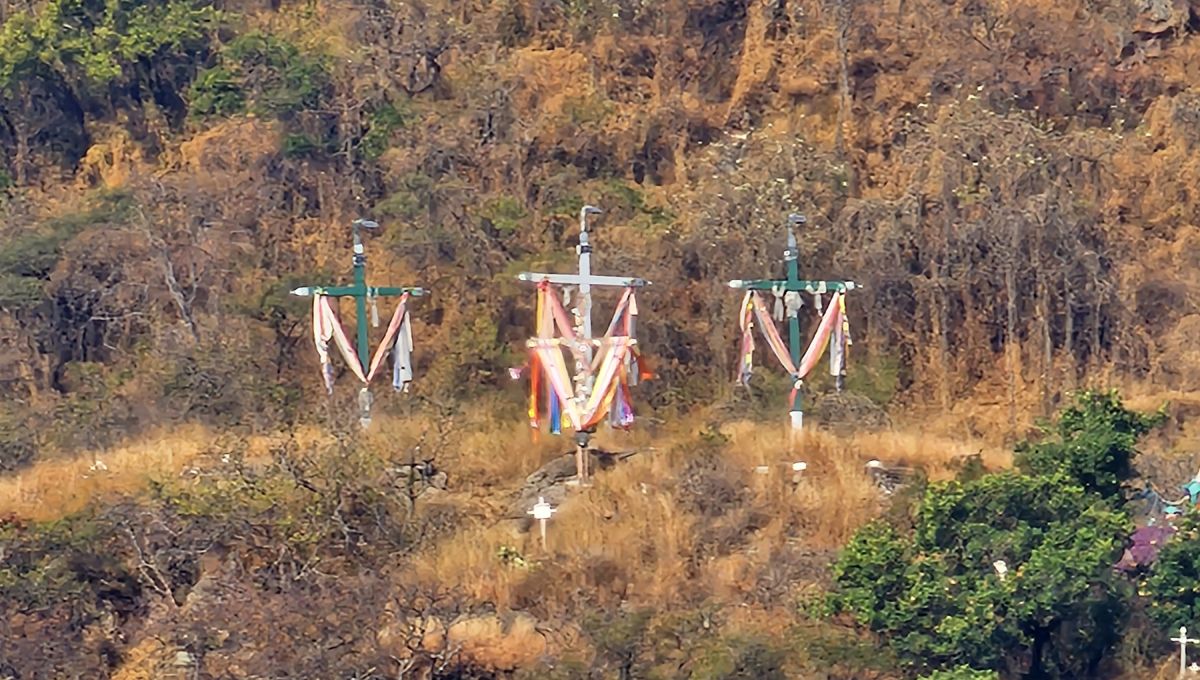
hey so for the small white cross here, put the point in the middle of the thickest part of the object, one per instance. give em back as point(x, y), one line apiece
point(1183, 641)
point(541, 512)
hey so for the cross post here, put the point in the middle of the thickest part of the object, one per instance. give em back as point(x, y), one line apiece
point(1183, 641)
point(584, 280)
point(541, 512)
point(791, 287)
point(360, 291)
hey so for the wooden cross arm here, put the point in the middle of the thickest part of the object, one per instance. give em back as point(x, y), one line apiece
point(575, 279)
point(358, 291)
point(796, 286)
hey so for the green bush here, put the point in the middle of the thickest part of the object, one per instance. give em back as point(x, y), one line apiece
point(102, 42)
point(217, 92)
point(737, 657)
point(504, 213)
point(18, 440)
point(1093, 442)
point(381, 125)
point(1173, 585)
point(936, 597)
point(29, 255)
point(262, 73)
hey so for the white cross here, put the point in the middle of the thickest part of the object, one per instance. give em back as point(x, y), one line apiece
point(1183, 641)
point(541, 512)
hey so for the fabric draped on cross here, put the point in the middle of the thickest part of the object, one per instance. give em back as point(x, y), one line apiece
point(834, 330)
point(398, 339)
point(615, 367)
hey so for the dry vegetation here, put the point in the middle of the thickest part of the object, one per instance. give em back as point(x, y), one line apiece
point(686, 526)
point(1011, 180)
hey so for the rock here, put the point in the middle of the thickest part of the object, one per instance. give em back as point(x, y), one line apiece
point(848, 411)
point(1160, 16)
point(499, 642)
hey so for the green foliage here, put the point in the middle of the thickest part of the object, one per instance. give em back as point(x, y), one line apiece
point(100, 41)
point(409, 199)
point(619, 636)
point(337, 506)
point(1173, 585)
point(828, 648)
point(300, 145)
point(878, 380)
point(93, 412)
point(381, 124)
point(619, 196)
point(262, 73)
point(69, 561)
point(936, 597)
point(567, 206)
point(589, 110)
point(28, 256)
point(19, 292)
point(512, 557)
point(742, 658)
point(220, 382)
point(475, 356)
point(19, 441)
point(1093, 442)
point(217, 92)
point(505, 213)
point(961, 673)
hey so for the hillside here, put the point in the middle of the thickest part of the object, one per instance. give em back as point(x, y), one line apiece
point(1009, 181)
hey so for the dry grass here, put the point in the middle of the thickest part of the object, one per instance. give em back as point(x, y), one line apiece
point(56, 487)
point(679, 521)
point(638, 517)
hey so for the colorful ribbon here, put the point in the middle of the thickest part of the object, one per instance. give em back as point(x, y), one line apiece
point(754, 308)
point(398, 339)
point(610, 369)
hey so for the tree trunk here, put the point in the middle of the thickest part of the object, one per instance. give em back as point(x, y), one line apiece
point(943, 345)
point(1043, 312)
point(1011, 346)
point(842, 12)
point(1069, 336)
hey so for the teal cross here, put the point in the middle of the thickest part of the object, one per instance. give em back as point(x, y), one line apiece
point(794, 284)
point(360, 291)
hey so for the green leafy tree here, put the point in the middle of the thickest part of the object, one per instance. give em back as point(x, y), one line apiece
point(937, 597)
point(1173, 585)
point(1094, 442)
point(262, 72)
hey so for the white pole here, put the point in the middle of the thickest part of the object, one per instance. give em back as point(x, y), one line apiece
point(585, 273)
point(541, 512)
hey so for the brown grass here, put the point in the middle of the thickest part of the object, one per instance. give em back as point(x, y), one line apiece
point(56, 487)
point(633, 515)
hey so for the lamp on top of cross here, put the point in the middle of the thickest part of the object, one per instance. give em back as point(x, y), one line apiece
point(361, 292)
point(791, 287)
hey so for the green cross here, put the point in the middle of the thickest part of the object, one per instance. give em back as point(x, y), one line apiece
point(360, 291)
point(793, 283)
